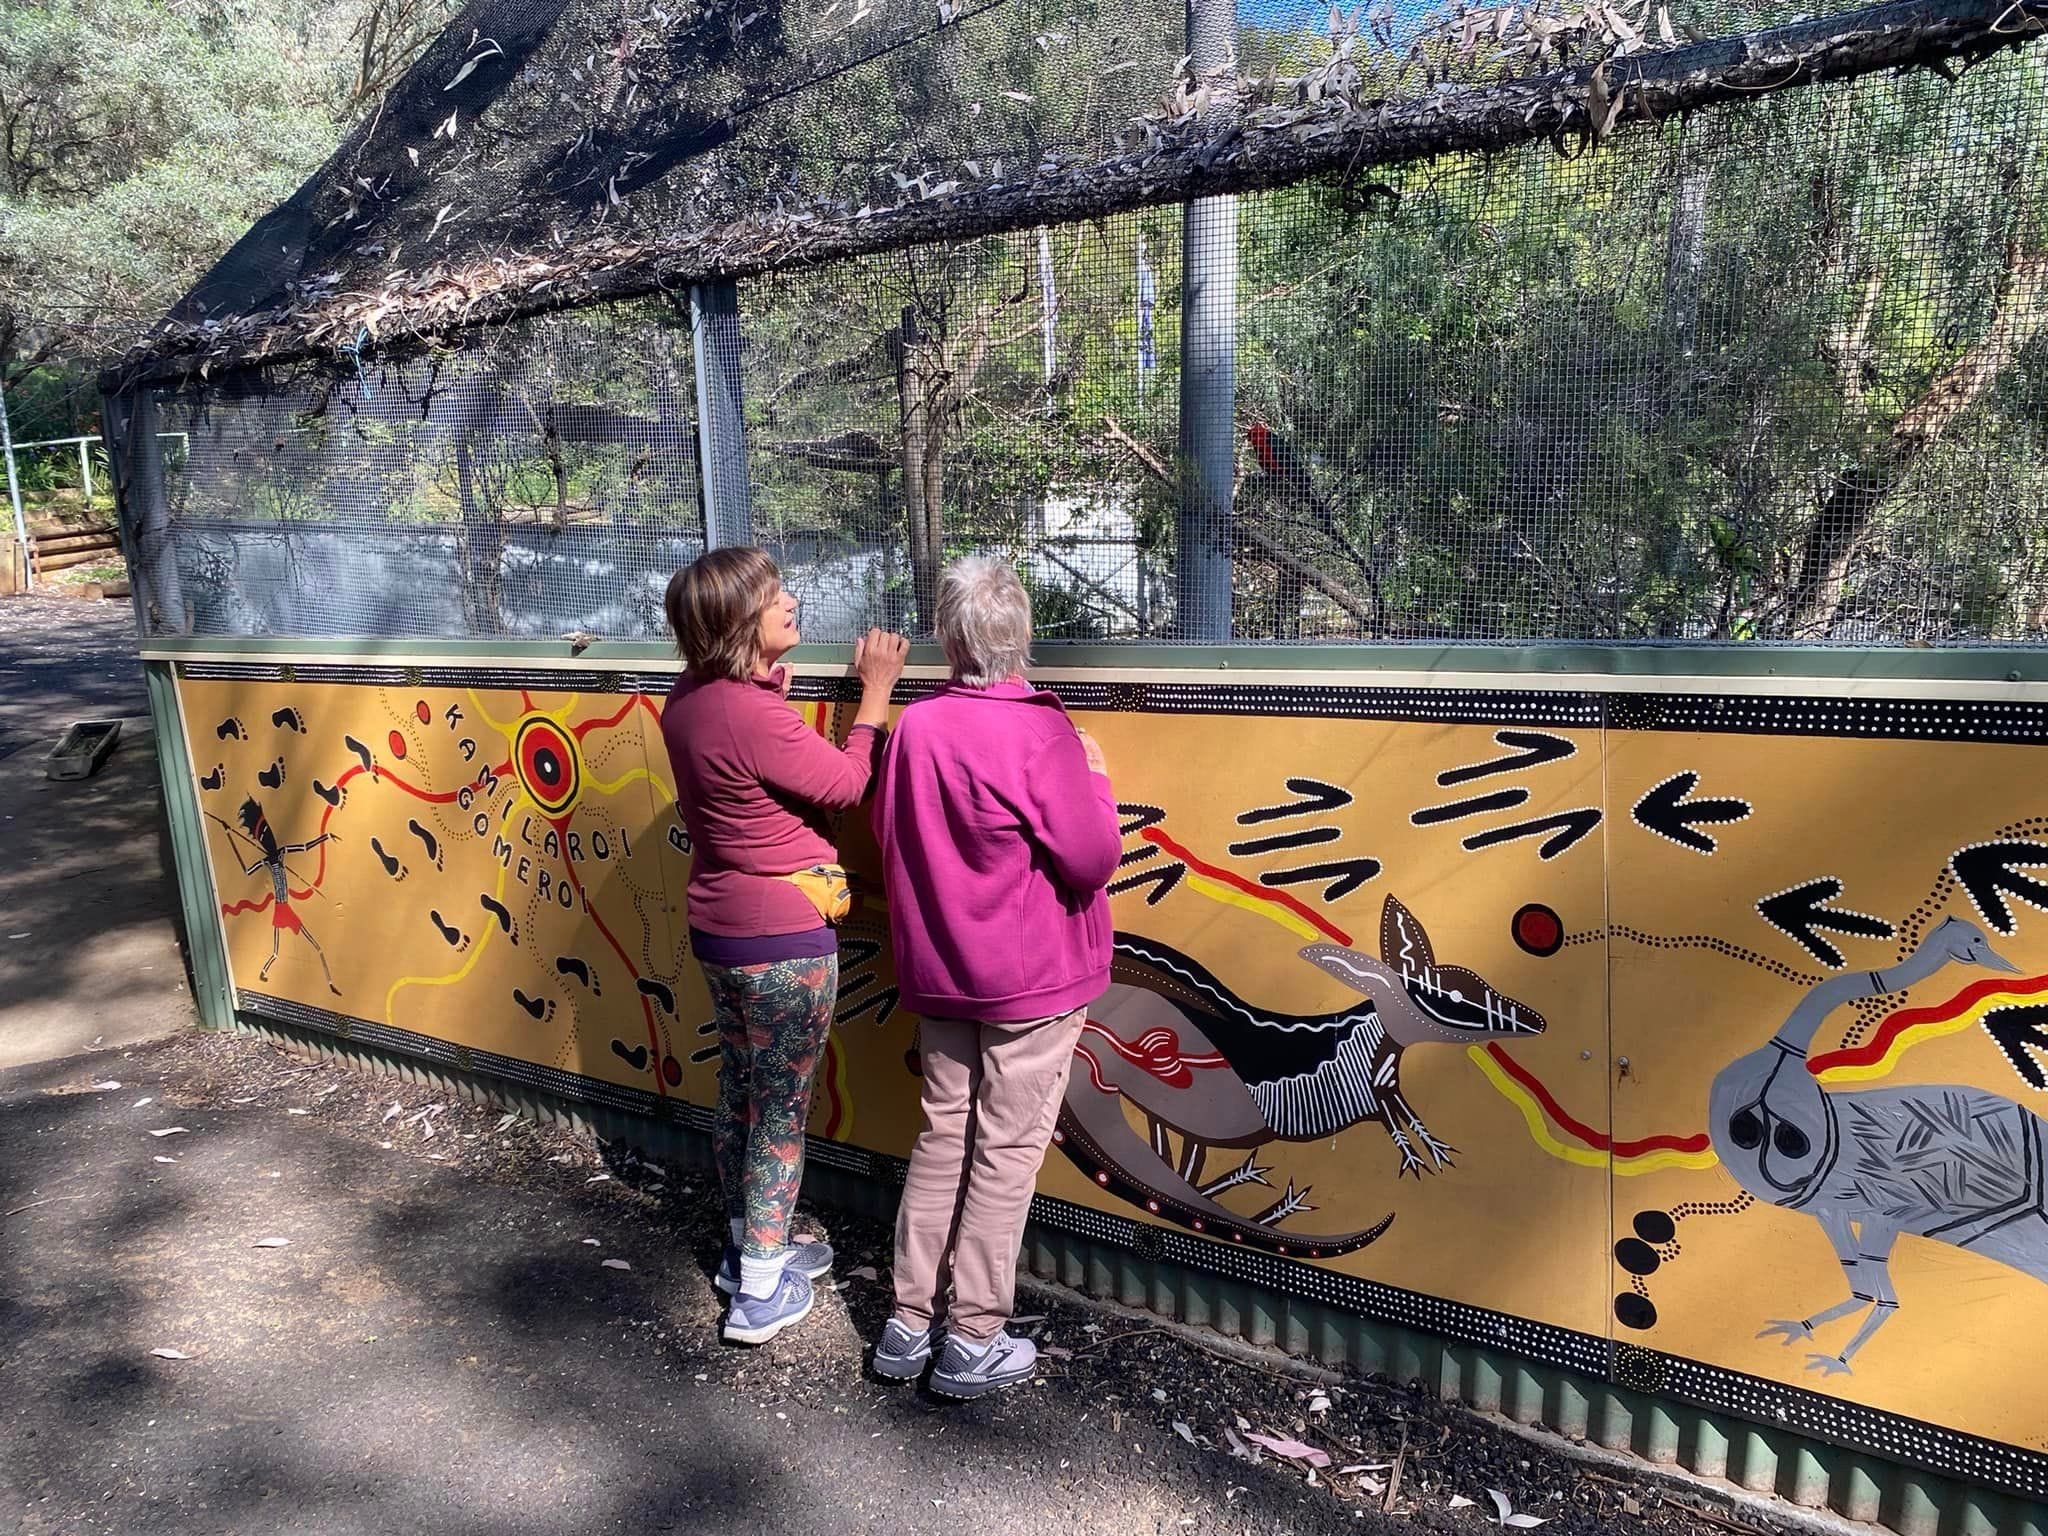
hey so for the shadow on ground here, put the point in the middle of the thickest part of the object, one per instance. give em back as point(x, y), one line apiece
point(440, 1347)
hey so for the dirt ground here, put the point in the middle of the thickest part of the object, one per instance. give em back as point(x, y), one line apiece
point(89, 950)
point(438, 1344)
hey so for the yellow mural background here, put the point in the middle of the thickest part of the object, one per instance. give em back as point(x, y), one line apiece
point(1525, 1221)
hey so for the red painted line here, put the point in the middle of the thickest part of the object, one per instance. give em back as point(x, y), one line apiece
point(651, 709)
point(625, 709)
point(526, 701)
point(1879, 1045)
point(238, 908)
point(1584, 1132)
point(1315, 919)
point(445, 798)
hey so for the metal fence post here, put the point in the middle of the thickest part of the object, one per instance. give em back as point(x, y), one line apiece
point(1208, 367)
point(721, 423)
point(85, 469)
point(28, 579)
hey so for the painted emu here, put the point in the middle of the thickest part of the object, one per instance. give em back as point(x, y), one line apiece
point(1206, 1068)
point(1958, 1165)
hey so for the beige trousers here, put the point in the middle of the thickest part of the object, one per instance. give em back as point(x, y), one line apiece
point(991, 1094)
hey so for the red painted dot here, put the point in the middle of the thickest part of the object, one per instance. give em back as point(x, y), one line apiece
point(426, 715)
point(1152, 1206)
point(1538, 930)
point(671, 1071)
point(1102, 1179)
point(397, 745)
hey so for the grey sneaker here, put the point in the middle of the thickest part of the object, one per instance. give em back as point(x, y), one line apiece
point(811, 1260)
point(967, 1369)
point(757, 1319)
point(903, 1355)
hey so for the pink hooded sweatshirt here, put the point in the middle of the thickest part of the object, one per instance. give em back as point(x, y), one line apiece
point(997, 842)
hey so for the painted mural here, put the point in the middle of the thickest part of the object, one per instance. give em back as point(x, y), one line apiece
point(1710, 1033)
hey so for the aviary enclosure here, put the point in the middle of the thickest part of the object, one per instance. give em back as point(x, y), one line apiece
point(1541, 505)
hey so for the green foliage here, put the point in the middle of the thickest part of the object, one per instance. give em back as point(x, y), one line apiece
point(141, 139)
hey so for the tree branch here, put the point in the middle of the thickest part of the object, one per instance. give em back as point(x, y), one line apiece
point(1215, 143)
point(1846, 514)
point(1255, 540)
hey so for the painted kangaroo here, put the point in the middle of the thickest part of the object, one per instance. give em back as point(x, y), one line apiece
point(1958, 1165)
point(1202, 1065)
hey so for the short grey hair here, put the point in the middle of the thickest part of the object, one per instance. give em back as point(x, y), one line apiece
point(984, 620)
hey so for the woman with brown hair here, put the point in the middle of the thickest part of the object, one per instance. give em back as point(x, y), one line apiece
point(756, 789)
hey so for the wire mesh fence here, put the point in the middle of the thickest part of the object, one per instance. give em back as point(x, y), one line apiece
point(1771, 373)
point(540, 482)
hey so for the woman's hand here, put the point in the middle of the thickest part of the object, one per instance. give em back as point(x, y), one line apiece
point(1092, 750)
point(878, 662)
point(878, 658)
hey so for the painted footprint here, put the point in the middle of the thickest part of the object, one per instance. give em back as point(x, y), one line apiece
point(334, 795)
point(230, 727)
point(273, 776)
point(362, 755)
point(215, 779)
point(660, 993)
point(457, 939)
point(287, 719)
point(636, 1058)
point(427, 841)
point(392, 867)
point(498, 910)
point(540, 1009)
point(569, 965)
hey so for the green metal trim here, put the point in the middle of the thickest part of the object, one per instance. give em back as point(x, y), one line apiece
point(211, 993)
point(1756, 1458)
point(2011, 664)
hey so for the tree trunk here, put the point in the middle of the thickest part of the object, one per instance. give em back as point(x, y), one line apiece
point(917, 388)
point(481, 562)
point(1814, 604)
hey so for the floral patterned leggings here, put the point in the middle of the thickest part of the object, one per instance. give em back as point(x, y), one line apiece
point(772, 1023)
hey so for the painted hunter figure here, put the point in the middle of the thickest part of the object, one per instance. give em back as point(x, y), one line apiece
point(284, 918)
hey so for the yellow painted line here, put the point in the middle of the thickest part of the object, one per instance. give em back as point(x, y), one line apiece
point(1584, 1157)
point(632, 776)
point(1216, 891)
point(490, 719)
point(1920, 1034)
point(476, 954)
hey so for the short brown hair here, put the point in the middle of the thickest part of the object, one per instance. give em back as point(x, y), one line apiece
point(714, 606)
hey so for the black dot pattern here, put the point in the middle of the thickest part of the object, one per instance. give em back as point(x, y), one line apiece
point(1741, 1202)
point(1695, 941)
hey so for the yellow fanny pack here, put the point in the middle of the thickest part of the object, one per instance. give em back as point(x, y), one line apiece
point(826, 887)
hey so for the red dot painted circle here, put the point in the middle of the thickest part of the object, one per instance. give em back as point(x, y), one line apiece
point(397, 744)
point(424, 715)
point(1538, 930)
point(671, 1071)
point(544, 757)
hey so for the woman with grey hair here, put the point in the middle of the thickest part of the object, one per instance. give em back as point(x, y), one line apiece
point(999, 834)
